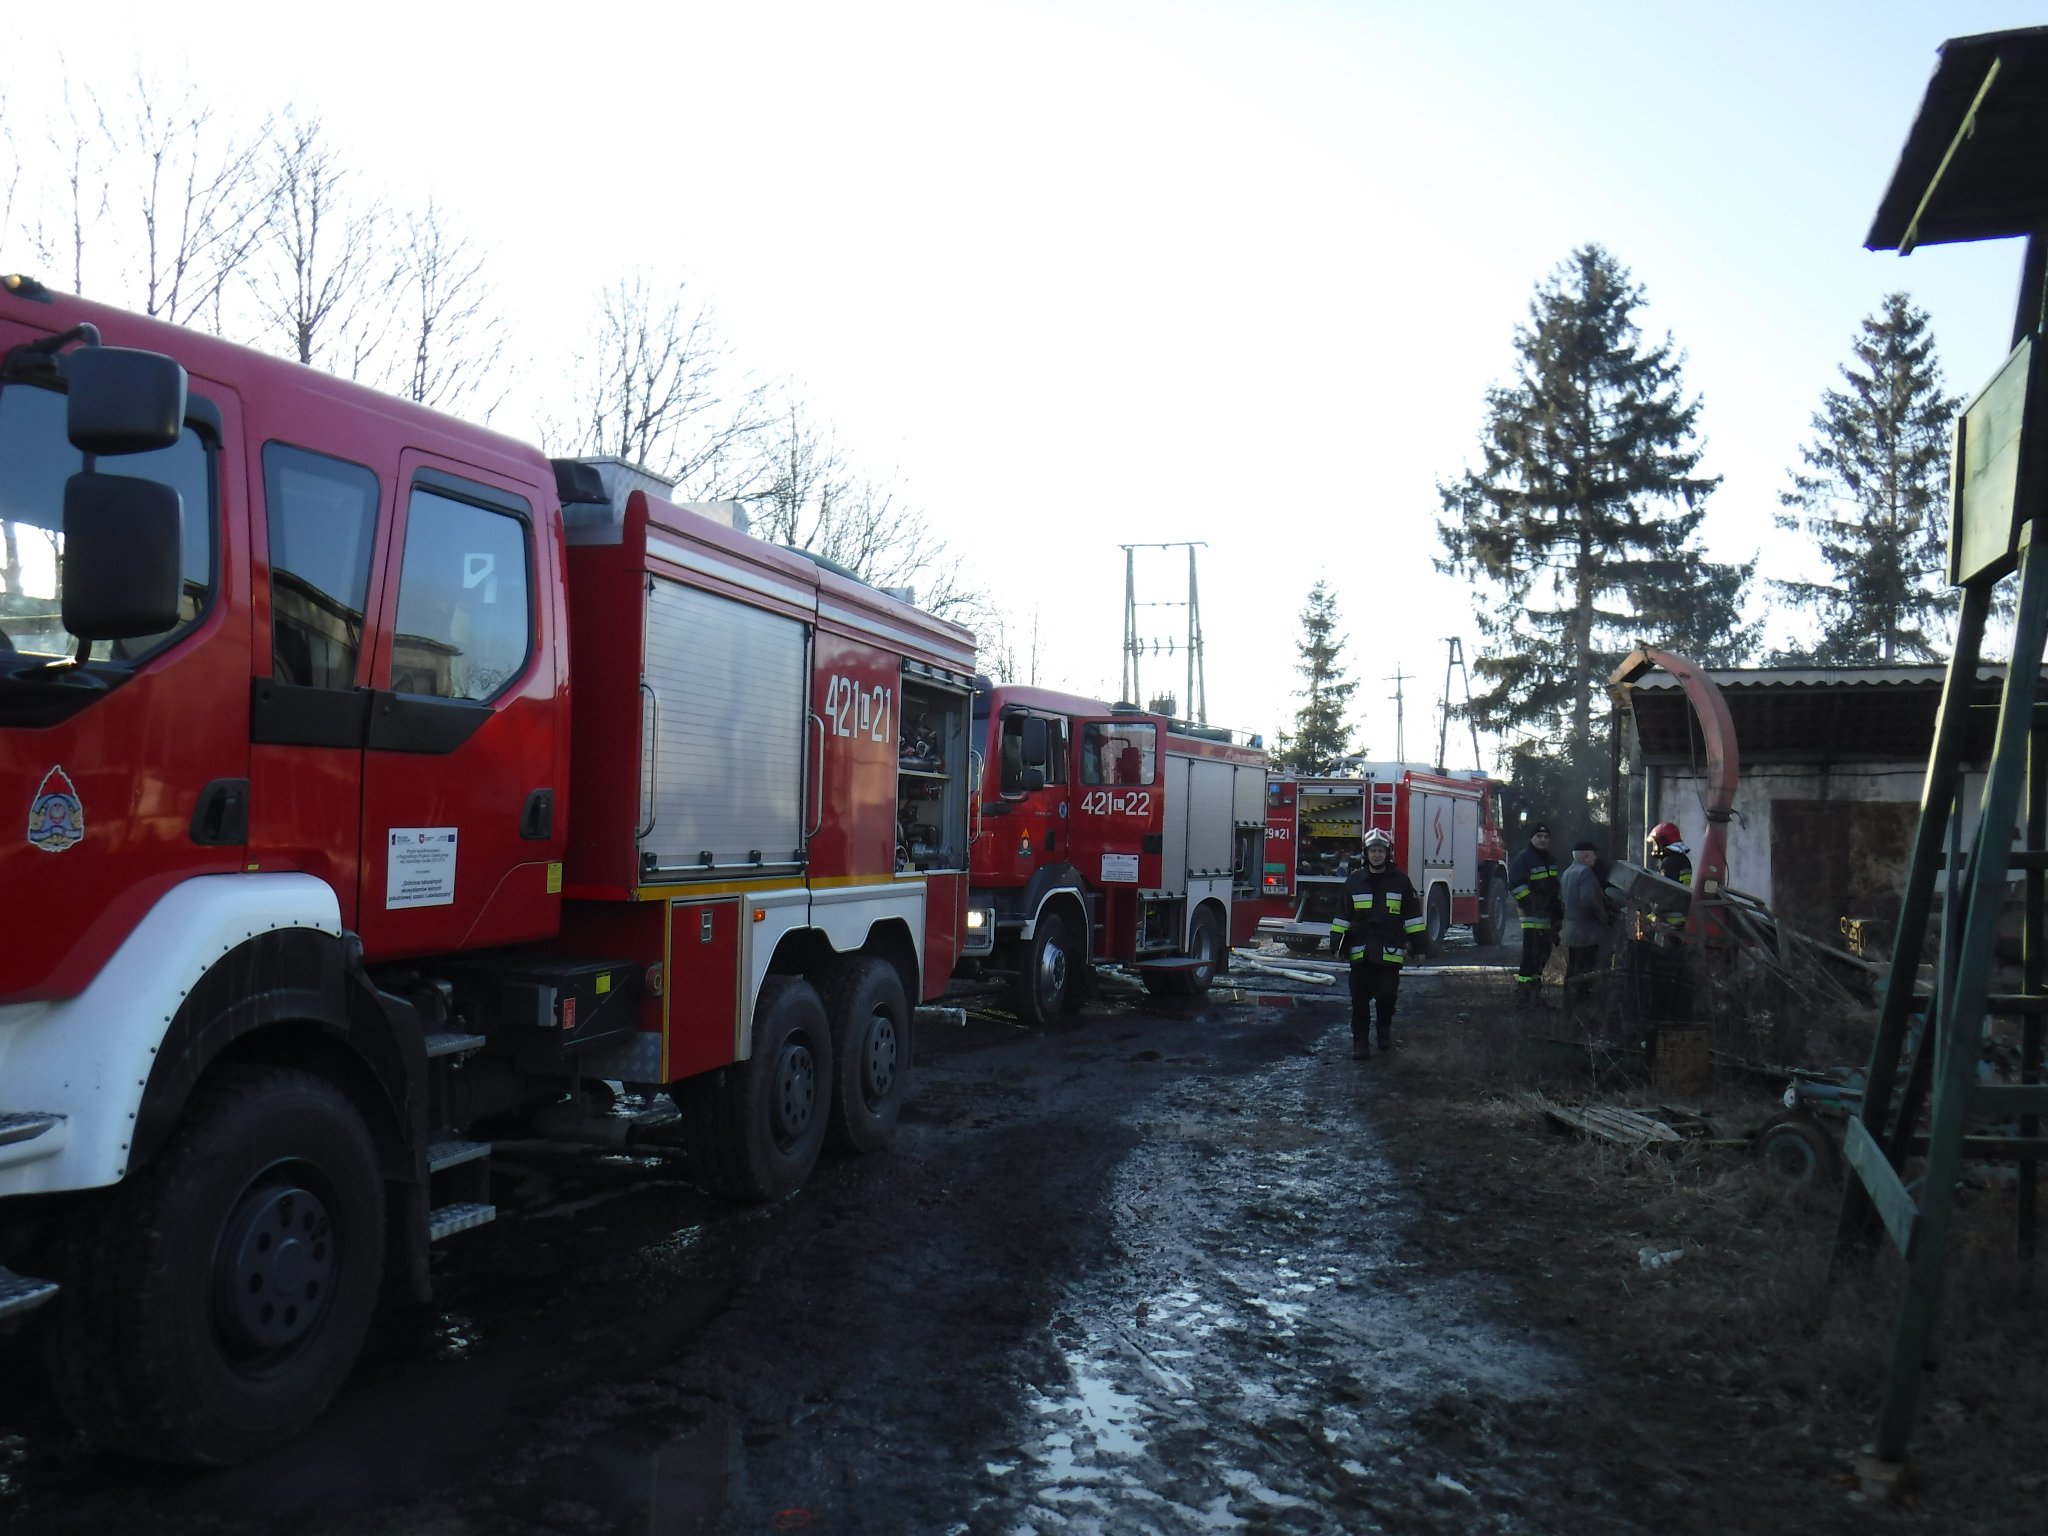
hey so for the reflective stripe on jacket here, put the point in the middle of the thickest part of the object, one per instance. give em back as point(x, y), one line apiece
point(1534, 880)
point(1379, 915)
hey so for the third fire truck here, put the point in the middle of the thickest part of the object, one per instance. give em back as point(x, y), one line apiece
point(1104, 833)
point(1446, 831)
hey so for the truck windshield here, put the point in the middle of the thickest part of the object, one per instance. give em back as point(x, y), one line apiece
point(36, 458)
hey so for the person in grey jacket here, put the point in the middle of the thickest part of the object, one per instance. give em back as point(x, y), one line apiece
point(1587, 920)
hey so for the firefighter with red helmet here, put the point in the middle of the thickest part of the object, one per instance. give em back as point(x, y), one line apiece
point(1662, 990)
point(1670, 858)
point(1379, 920)
point(1533, 877)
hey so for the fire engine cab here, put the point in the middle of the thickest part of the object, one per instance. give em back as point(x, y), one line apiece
point(373, 782)
point(1103, 833)
point(1446, 831)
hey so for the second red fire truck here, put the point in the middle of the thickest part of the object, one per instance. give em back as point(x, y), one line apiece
point(1446, 831)
point(1104, 833)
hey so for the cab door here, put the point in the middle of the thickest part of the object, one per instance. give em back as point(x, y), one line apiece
point(466, 751)
point(1119, 802)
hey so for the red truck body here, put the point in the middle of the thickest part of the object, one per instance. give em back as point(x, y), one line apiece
point(1105, 834)
point(1446, 831)
point(444, 782)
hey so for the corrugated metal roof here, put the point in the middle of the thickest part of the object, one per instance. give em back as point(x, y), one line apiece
point(1812, 714)
point(1727, 678)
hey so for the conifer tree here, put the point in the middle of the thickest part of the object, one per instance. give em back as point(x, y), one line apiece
point(1579, 528)
point(1874, 497)
point(1320, 734)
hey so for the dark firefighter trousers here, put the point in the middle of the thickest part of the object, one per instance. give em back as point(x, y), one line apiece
point(1373, 986)
point(1537, 943)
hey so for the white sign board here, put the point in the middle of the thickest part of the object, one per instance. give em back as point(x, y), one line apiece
point(1119, 869)
point(421, 869)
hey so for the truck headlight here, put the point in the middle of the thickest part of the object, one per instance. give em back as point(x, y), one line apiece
point(978, 919)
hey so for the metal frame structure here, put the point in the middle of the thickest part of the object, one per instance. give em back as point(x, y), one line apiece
point(1971, 170)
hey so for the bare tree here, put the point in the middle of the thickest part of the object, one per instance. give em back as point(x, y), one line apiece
point(999, 651)
point(10, 176)
point(323, 278)
point(193, 191)
point(817, 502)
point(657, 390)
point(451, 348)
point(75, 149)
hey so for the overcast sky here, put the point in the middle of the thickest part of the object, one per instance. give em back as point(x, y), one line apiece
point(1126, 271)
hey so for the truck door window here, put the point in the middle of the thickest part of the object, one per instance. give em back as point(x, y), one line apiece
point(1118, 753)
point(1017, 756)
point(465, 623)
point(323, 520)
point(36, 458)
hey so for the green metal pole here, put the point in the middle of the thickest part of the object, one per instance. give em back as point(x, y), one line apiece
point(1962, 1019)
point(1937, 801)
point(2035, 972)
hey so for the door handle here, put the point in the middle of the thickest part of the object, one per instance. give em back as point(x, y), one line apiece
point(537, 821)
point(221, 818)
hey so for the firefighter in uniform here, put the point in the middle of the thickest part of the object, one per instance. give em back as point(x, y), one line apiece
point(1534, 880)
point(1379, 918)
point(1670, 858)
point(1666, 998)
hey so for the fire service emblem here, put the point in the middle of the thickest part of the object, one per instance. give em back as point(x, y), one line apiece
point(56, 817)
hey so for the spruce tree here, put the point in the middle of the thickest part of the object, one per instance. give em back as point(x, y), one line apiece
point(1874, 497)
point(1579, 529)
point(1320, 734)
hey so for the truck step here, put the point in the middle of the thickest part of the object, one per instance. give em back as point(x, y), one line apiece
point(452, 1043)
point(450, 1219)
point(454, 1152)
point(939, 1013)
point(23, 1293)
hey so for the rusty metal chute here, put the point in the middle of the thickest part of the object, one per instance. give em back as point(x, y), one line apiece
point(1724, 769)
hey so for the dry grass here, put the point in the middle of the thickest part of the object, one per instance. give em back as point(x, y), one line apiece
point(1750, 1316)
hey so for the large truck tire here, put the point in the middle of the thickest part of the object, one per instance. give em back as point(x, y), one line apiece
point(216, 1304)
point(756, 1134)
point(1496, 907)
point(871, 1045)
point(1205, 945)
point(1437, 916)
point(1048, 982)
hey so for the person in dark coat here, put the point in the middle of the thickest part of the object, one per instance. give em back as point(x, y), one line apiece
point(1379, 919)
point(1534, 881)
point(1587, 918)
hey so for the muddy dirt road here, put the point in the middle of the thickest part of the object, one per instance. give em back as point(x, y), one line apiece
point(1155, 1271)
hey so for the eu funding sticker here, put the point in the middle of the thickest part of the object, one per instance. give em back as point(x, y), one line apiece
point(421, 870)
point(1119, 869)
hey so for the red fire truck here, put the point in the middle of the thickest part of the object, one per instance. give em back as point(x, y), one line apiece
point(377, 781)
point(1105, 833)
point(1446, 831)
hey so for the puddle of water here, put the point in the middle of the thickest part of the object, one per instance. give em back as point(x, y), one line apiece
point(1245, 1367)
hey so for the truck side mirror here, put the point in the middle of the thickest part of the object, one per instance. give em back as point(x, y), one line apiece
point(122, 401)
point(122, 560)
point(1035, 746)
point(1034, 780)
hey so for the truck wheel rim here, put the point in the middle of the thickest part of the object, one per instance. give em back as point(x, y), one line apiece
point(796, 1091)
point(276, 1267)
point(1052, 972)
point(878, 1058)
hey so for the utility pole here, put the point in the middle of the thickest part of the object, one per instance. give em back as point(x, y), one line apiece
point(1454, 661)
point(1135, 645)
point(1400, 739)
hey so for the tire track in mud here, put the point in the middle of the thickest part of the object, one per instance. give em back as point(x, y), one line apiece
point(1264, 1358)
